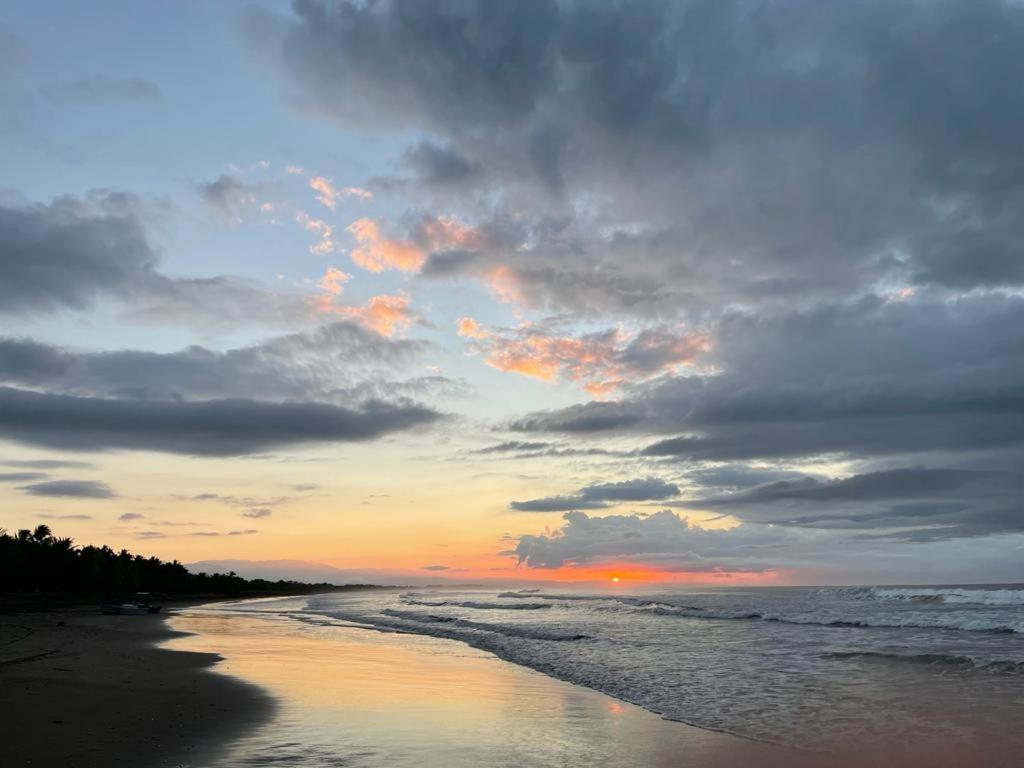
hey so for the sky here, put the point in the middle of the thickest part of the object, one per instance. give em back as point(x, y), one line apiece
point(706, 291)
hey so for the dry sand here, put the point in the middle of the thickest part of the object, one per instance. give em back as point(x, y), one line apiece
point(79, 689)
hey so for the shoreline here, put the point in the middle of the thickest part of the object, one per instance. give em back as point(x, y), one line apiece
point(83, 689)
point(193, 689)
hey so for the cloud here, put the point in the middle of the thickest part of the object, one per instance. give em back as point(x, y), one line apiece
point(21, 477)
point(315, 364)
point(127, 517)
point(434, 568)
point(101, 90)
point(333, 281)
point(600, 362)
point(328, 195)
point(258, 512)
point(653, 150)
point(513, 445)
point(664, 538)
point(440, 166)
point(937, 375)
point(50, 464)
point(601, 495)
point(65, 517)
point(230, 197)
point(375, 252)
point(385, 315)
point(320, 228)
point(922, 503)
point(205, 428)
point(78, 489)
point(77, 251)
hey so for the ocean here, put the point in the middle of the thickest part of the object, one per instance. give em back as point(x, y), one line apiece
point(810, 668)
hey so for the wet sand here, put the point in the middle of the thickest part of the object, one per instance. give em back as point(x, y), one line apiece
point(78, 689)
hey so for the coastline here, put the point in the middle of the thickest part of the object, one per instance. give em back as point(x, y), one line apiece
point(79, 688)
point(86, 690)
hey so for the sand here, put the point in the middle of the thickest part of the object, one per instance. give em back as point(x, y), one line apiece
point(79, 689)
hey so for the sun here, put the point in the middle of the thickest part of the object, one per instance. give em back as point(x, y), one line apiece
point(615, 579)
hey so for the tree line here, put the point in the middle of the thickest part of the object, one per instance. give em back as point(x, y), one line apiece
point(34, 561)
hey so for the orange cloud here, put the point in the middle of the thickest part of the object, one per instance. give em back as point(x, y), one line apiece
point(377, 253)
point(328, 194)
point(471, 329)
point(333, 281)
point(599, 363)
point(384, 314)
point(321, 229)
point(505, 286)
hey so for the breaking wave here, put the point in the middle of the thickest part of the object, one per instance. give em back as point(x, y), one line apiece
point(476, 605)
point(948, 595)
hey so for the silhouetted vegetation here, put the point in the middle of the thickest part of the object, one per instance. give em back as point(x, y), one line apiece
point(36, 561)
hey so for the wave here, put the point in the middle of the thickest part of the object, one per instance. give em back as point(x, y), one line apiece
point(952, 661)
point(948, 595)
point(829, 617)
point(966, 623)
point(508, 630)
point(477, 605)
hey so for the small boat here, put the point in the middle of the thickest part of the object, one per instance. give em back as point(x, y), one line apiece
point(130, 609)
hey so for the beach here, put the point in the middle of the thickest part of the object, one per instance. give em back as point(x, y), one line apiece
point(261, 683)
point(81, 689)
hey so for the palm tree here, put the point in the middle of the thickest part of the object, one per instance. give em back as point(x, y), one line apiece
point(42, 533)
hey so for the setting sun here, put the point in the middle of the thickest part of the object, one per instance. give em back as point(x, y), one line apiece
point(615, 579)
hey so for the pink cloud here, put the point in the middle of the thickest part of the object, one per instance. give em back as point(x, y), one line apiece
point(384, 314)
point(328, 194)
point(376, 251)
point(599, 363)
point(320, 228)
point(333, 281)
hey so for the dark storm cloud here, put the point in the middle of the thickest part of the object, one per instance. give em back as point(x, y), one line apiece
point(102, 90)
point(329, 362)
point(601, 495)
point(78, 489)
point(822, 146)
point(206, 428)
